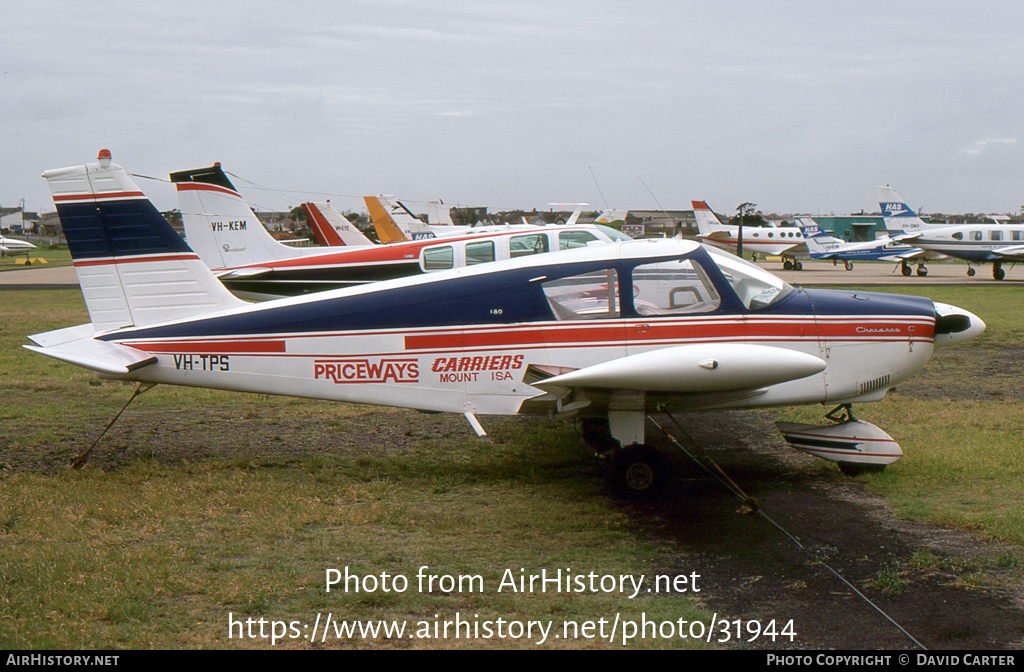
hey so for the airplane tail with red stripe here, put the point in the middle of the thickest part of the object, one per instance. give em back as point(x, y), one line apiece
point(331, 228)
point(707, 222)
point(133, 267)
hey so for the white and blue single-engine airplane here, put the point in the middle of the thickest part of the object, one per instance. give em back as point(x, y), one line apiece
point(604, 333)
point(822, 245)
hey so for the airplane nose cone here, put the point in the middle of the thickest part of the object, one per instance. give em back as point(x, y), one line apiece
point(955, 325)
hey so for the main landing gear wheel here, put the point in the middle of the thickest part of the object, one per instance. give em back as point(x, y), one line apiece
point(797, 266)
point(970, 272)
point(997, 271)
point(848, 265)
point(852, 469)
point(922, 271)
point(639, 472)
point(905, 270)
point(787, 265)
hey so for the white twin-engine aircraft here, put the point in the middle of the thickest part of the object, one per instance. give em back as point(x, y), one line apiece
point(604, 333)
point(784, 241)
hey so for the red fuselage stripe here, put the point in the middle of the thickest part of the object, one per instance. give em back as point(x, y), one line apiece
point(136, 259)
point(655, 332)
point(220, 347)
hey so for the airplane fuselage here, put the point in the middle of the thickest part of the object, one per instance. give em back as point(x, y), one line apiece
point(464, 340)
point(974, 242)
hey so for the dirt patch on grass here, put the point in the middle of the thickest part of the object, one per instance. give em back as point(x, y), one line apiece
point(932, 581)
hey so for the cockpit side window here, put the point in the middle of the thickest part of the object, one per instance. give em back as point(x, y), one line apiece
point(673, 287)
point(479, 252)
point(521, 246)
point(589, 296)
point(438, 258)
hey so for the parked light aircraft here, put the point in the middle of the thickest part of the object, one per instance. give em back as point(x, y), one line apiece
point(783, 241)
point(14, 245)
point(605, 333)
point(395, 223)
point(975, 243)
point(821, 245)
point(331, 228)
point(228, 237)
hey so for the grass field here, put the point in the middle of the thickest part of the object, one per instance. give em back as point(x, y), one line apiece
point(51, 255)
point(181, 519)
point(156, 551)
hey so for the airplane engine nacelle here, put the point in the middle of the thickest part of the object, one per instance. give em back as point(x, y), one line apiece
point(855, 442)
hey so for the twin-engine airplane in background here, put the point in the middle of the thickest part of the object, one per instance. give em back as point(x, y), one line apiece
point(821, 245)
point(605, 333)
point(232, 242)
point(975, 243)
point(784, 241)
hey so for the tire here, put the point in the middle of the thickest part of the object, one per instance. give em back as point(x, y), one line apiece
point(905, 270)
point(998, 273)
point(848, 265)
point(787, 265)
point(922, 271)
point(639, 473)
point(856, 469)
point(970, 272)
point(797, 266)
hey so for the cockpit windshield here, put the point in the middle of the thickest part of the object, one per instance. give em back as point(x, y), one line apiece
point(755, 287)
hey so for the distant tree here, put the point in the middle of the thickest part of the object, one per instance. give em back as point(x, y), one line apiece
point(747, 214)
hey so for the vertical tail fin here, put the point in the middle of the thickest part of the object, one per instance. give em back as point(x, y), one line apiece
point(388, 230)
point(133, 267)
point(331, 228)
point(707, 221)
point(817, 240)
point(899, 218)
point(393, 212)
point(438, 214)
point(219, 224)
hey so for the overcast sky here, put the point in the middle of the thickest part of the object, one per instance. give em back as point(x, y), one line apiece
point(794, 106)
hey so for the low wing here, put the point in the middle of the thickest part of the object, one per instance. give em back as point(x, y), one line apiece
point(1014, 252)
